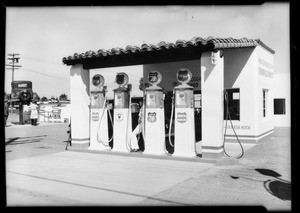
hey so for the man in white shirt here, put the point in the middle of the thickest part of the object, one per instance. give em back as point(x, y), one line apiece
point(138, 129)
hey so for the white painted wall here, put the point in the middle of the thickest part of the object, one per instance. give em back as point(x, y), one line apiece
point(239, 73)
point(264, 71)
point(282, 89)
point(243, 71)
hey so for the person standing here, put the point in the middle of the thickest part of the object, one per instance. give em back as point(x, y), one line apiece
point(33, 113)
point(138, 129)
point(6, 110)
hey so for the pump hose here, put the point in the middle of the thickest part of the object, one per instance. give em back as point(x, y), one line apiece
point(128, 138)
point(228, 116)
point(105, 143)
point(171, 122)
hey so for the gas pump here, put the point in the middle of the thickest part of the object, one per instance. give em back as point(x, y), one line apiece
point(122, 114)
point(184, 134)
point(98, 115)
point(154, 131)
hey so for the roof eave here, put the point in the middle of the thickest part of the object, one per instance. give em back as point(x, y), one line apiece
point(144, 57)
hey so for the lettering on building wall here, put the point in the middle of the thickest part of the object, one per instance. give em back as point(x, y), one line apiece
point(239, 127)
point(265, 73)
point(265, 63)
point(263, 66)
point(196, 78)
point(195, 81)
point(193, 84)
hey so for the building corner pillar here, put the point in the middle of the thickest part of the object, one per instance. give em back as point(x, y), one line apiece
point(212, 85)
point(80, 101)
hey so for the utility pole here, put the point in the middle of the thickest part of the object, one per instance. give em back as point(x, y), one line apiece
point(14, 59)
point(11, 66)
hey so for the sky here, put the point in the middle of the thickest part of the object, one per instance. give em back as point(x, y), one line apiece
point(44, 35)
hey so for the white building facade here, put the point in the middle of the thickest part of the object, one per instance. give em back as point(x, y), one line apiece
point(243, 69)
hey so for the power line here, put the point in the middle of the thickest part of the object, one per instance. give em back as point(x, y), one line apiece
point(37, 72)
point(41, 60)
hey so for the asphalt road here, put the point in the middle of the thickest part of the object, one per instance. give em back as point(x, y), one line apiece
point(28, 141)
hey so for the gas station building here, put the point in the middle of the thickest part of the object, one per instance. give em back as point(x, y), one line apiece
point(243, 69)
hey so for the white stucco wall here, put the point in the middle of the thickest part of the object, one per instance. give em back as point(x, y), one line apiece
point(282, 89)
point(239, 73)
point(251, 70)
point(264, 71)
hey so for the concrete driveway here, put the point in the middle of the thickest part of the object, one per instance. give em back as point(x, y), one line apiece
point(39, 172)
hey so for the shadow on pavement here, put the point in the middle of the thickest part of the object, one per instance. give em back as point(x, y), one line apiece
point(277, 187)
point(18, 123)
point(22, 140)
point(268, 172)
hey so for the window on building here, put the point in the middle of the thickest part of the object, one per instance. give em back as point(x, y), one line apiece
point(279, 106)
point(233, 99)
point(265, 102)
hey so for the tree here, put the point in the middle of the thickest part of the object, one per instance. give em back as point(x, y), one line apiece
point(63, 97)
point(44, 98)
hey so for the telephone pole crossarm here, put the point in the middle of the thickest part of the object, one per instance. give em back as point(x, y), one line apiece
point(12, 64)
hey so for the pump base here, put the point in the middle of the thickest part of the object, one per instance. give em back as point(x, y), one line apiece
point(122, 129)
point(100, 148)
point(184, 155)
point(154, 153)
point(120, 150)
point(213, 155)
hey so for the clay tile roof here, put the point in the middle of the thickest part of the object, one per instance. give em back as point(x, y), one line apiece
point(217, 44)
point(132, 49)
point(101, 52)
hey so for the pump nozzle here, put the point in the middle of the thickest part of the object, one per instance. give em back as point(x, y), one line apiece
point(225, 95)
point(171, 120)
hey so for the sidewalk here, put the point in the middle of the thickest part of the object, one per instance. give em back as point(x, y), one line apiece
point(69, 178)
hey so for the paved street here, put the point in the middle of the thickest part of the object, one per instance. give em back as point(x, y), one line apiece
point(28, 141)
point(41, 173)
